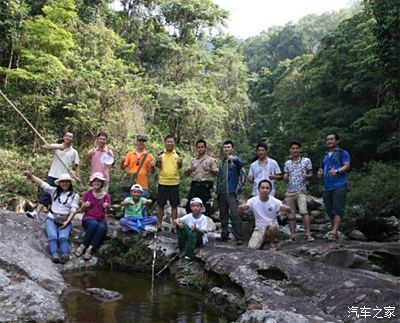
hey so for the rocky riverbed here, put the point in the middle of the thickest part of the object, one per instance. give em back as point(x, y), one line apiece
point(300, 282)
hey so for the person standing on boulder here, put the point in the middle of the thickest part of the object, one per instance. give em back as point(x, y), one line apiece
point(297, 171)
point(70, 158)
point(201, 170)
point(227, 182)
point(169, 162)
point(334, 168)
point(263, 168)
point(98, 158)
point(265, 208)
point(138, 162)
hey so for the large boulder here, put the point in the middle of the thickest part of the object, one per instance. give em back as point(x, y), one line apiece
point(304, 281)
point(30, 284)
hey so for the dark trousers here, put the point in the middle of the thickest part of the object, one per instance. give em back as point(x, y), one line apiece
point(95, 232)
point(201, 190)
point(188, 240)
point(228, 209)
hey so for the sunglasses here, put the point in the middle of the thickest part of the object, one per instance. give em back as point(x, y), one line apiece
point(143, 140)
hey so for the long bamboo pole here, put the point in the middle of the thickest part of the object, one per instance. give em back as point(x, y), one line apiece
point(38, 134)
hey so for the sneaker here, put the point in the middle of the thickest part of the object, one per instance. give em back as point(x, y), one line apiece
point(239, 242)
point(32, 215)
point(55, 258)
point(186, 261)
point(64, 258)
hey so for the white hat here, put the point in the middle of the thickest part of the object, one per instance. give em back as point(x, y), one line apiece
point(198, 200)
point(63, 177)
point(98, 175)
point(137, 187)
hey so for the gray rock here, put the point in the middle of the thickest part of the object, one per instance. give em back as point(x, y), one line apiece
point(271, 316)
point(314, 203)
point(317, 281)
point(104, 294)
point(30, 283)
point(210, 225)
point(357, 235)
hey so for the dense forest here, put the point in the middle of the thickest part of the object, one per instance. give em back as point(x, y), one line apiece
point(165, 66)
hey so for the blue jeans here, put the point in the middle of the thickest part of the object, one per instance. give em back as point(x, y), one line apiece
point(95, 232)
point(57, 236)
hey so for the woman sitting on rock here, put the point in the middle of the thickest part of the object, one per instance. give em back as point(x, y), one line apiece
point(64, 204)
point(95, 204)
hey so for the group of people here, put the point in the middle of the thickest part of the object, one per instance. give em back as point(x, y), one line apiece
point(191, 228)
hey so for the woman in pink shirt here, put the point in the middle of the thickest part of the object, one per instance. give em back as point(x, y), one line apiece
point(95, 204)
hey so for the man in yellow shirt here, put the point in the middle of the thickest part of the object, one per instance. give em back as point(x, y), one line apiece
point(169, 163)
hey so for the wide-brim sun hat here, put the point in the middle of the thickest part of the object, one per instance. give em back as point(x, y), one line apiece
point(198, 200)
point(98, 175)
point(107, 159)
point(136, 187)
point(64, 177)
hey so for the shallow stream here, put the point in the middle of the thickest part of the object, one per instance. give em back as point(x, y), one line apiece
point(167, 303)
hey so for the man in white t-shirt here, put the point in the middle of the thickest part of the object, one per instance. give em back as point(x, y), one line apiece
point(265, 209)
point(263, 168)
point(70, 158)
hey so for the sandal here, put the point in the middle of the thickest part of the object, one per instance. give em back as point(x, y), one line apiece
point(332, 236)
point(292, 239)
point(88, 254)
point(80, 250)
point(310, 238)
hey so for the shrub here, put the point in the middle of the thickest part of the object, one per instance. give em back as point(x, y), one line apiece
point(373, 195)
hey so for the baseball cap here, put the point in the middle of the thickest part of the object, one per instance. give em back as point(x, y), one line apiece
point(198, 200)
point(136, 187)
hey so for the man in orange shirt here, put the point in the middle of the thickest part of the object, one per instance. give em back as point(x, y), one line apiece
point(132, 161)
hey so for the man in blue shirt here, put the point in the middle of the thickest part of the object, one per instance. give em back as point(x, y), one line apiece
point(227, 183)
point(334, 167)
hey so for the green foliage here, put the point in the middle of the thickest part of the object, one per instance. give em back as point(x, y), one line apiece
point(12, 182)
point(372, 197)
point(138, 257)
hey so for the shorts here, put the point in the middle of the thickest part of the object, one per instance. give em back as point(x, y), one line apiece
point(335, 201)
point(258, 237)
point(301, 200)
point(168, 193)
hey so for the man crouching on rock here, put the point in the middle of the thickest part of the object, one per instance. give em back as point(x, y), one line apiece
point(265, 209)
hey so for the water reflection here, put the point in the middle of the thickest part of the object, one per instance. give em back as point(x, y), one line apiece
point(169, 303)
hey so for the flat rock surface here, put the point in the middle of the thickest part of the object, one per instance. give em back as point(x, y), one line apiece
point(303, 279)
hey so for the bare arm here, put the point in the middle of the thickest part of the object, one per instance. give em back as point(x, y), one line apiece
point(54, 147)
point(33, 178)
point(78, 172)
